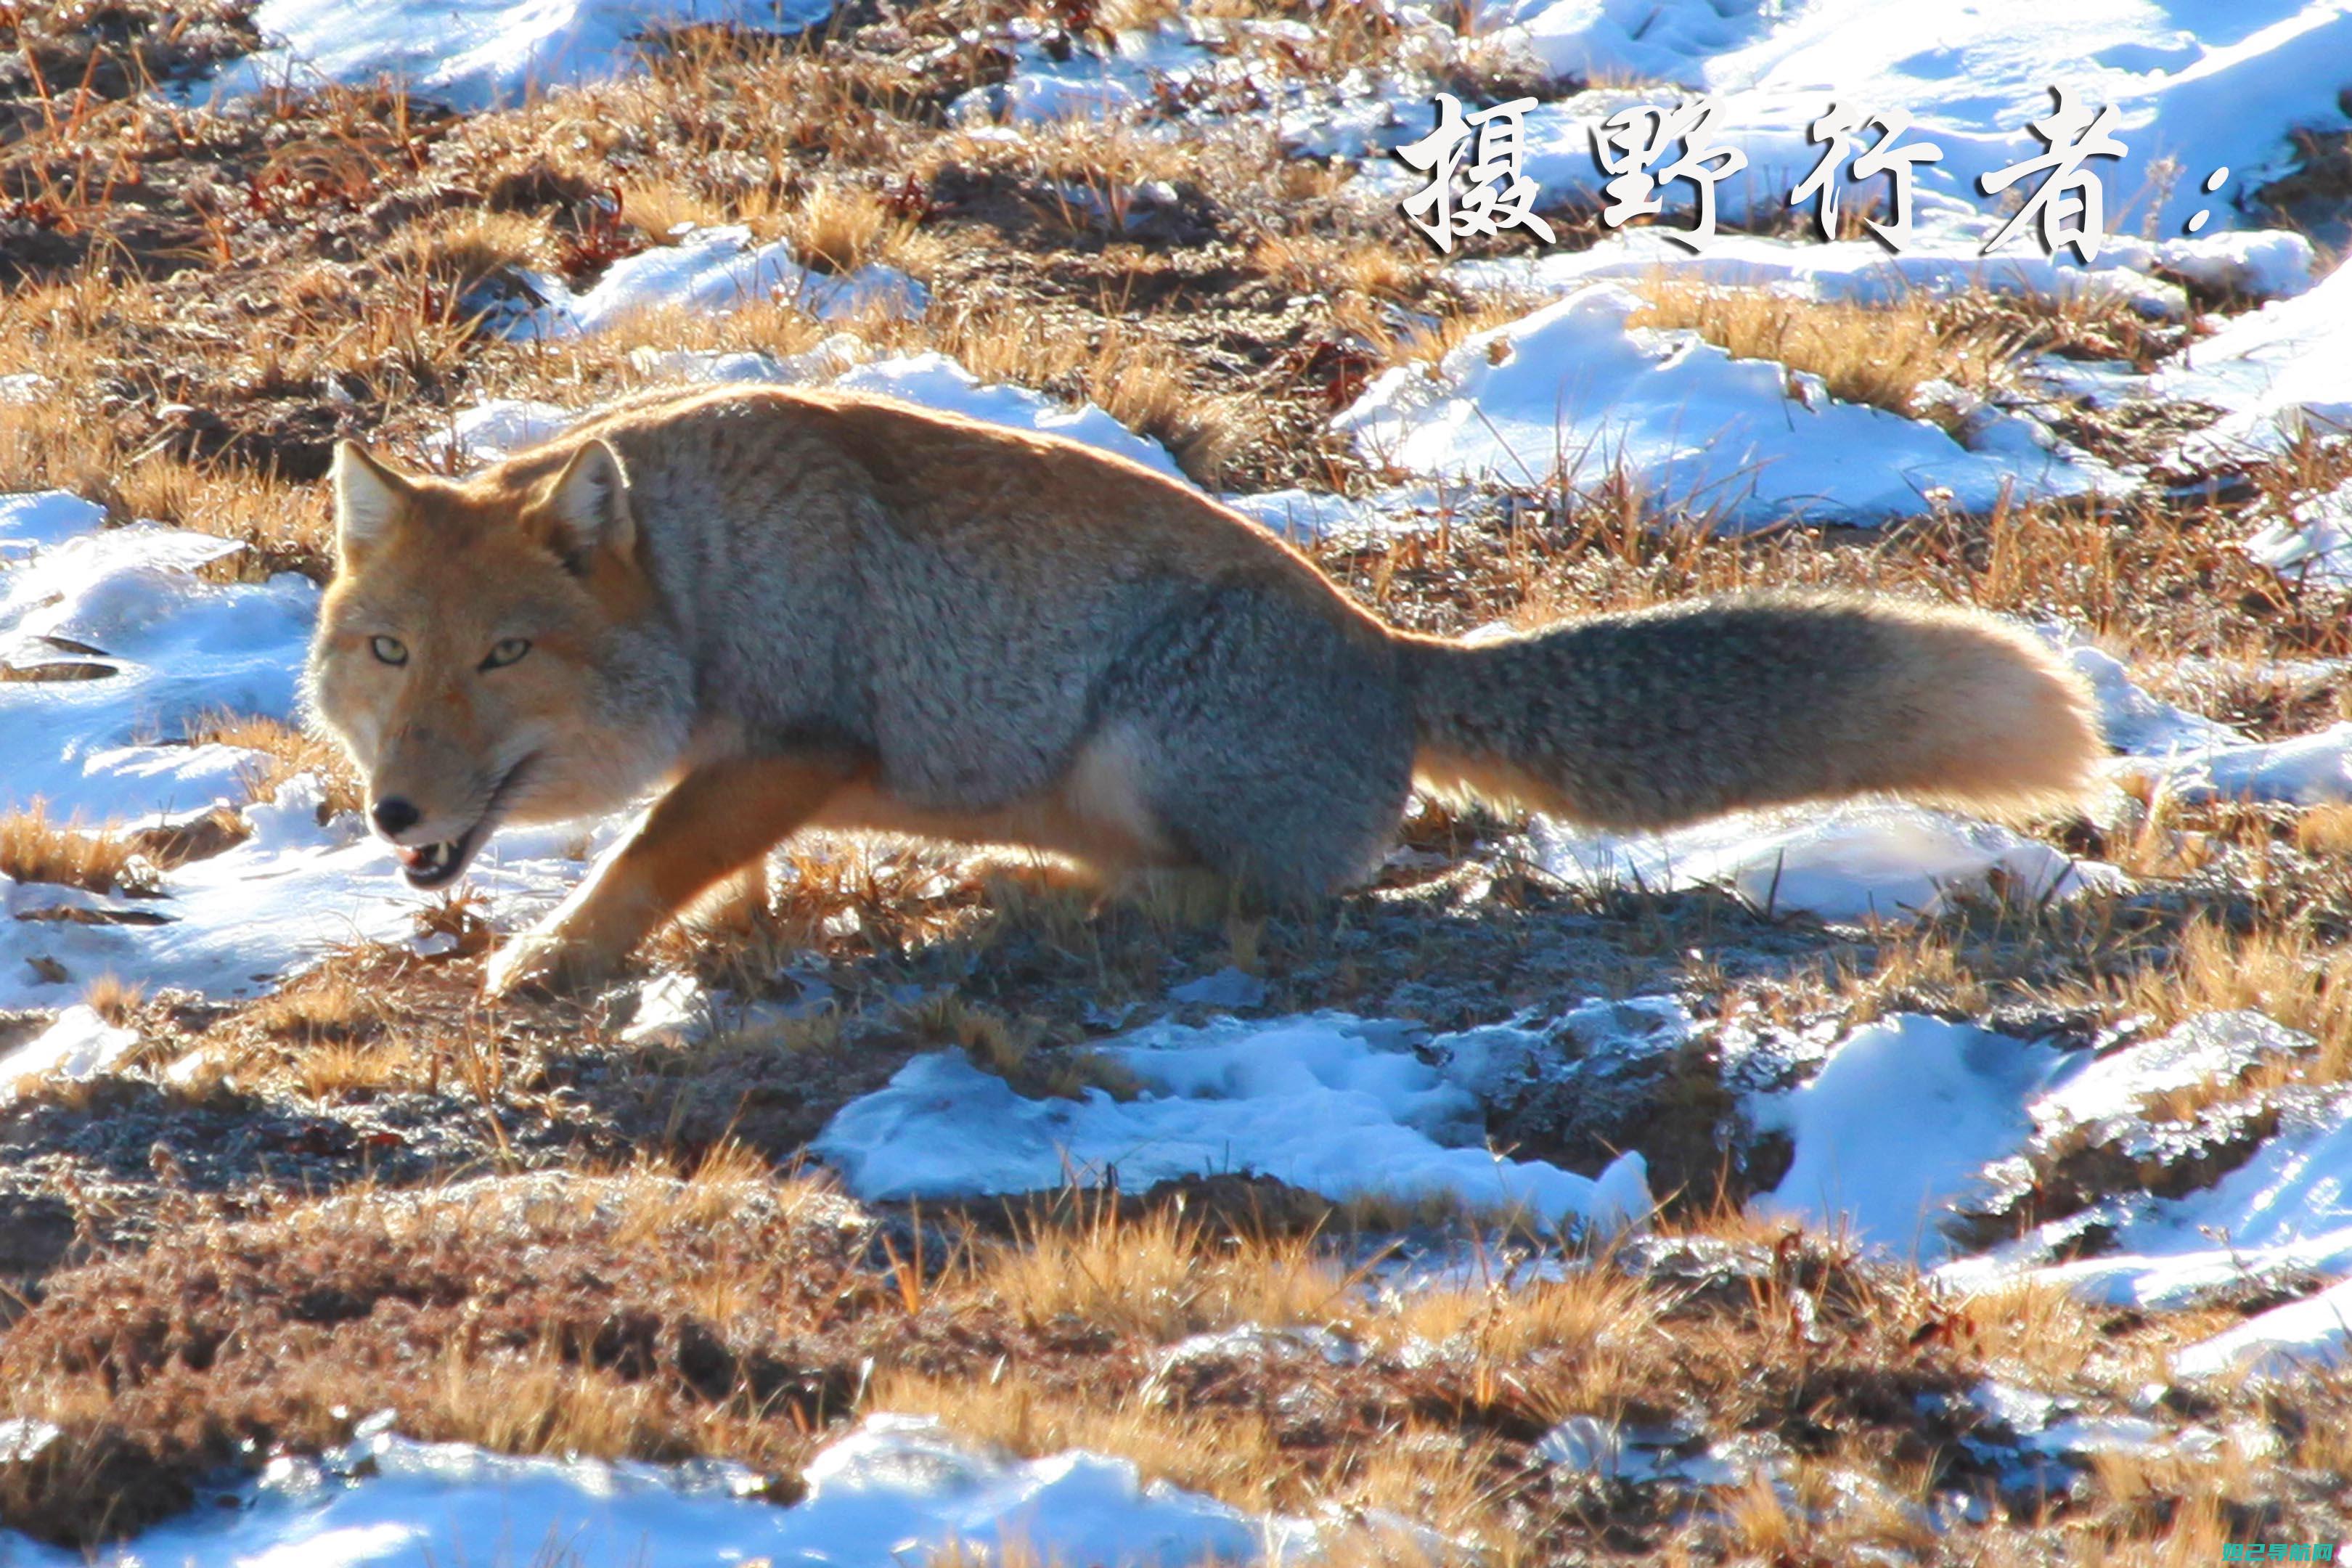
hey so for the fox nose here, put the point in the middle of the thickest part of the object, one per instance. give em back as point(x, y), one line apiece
point(395, 816)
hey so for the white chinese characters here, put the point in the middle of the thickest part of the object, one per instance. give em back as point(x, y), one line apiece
point(1491, 194)
point(1475, 183)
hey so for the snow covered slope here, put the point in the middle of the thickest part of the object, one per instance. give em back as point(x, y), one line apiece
point(2197, 85)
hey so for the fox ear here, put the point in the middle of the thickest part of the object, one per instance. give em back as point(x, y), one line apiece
point(590, 504)
point(368, 495)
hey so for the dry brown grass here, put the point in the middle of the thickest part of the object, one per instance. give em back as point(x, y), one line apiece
point(735, 1313)
point(462, 250)
point(508, 1315)
point(113, 998)
point(1161, 1276)
point(35, 847)
point(1343, 266)
point(287, 752)
point(1135, 385)
point(839, 228)
point(1878, 355)
point(1011, 1049)
point(1416, 339)
point(329, 1003)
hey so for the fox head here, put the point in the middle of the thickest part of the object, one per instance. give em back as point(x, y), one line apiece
point(491, 650)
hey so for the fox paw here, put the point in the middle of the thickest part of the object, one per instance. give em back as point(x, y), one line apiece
point(547, 962)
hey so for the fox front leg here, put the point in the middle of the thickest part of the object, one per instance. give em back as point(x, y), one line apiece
point(720, 818)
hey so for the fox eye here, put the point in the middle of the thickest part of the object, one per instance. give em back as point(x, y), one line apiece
point(507, 651)
point(392, 650)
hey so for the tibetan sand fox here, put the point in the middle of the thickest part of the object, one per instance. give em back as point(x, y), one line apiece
point(772, 609)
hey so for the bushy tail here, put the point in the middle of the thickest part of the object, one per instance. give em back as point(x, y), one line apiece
point(1662, 717)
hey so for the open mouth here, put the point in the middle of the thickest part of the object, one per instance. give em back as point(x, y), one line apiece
point(430, 866)
point(438, 864)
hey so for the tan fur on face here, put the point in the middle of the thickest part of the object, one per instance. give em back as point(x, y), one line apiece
point(451, 571)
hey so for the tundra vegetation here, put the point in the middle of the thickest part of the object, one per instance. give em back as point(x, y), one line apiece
point(528, 1227)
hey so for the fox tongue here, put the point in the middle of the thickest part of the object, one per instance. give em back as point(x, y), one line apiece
point(425, 856)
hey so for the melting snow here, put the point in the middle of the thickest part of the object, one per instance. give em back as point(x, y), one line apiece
point(2314, 546)
point(2212, 1048)
point(492, 430)
point(148, 648)
point(938, 382)
point(489, 431)
point(2281, 372)
point(713, 273)
point(1868, 860)
point(32, 519)
point(1899, 1122)
point(474, 54)
point(1332, 1103)
point(1863, 272)
point(2285, 1214)
point(1573, 394)
point(896, 1489)
point(79, 1046)
point(2131, 720)
point(2305, 1335)
point(2306, 770)
point(233, 924)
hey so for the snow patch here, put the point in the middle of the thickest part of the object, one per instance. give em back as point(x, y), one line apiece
point(714, 271)
point(1863, 272)
point(2286, 1213)
point(2300, 1336)
point(1901, 1119)
point(2131, 720)
point(896, 1489)
point(1572, 394)
point(2208, 84)
point(1862, 861)
point(1335, 1104)
point(234, 923)
point(476, 54)
point(79, 1046)
point(2280, 372)
point(938, 382)
point(148, 648)
point(2305, 770)
point(2313, 546)
point(35, 519)
point(489, 431)
point(2211, 1048)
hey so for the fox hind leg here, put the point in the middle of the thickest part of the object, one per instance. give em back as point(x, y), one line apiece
point(1270, 748)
